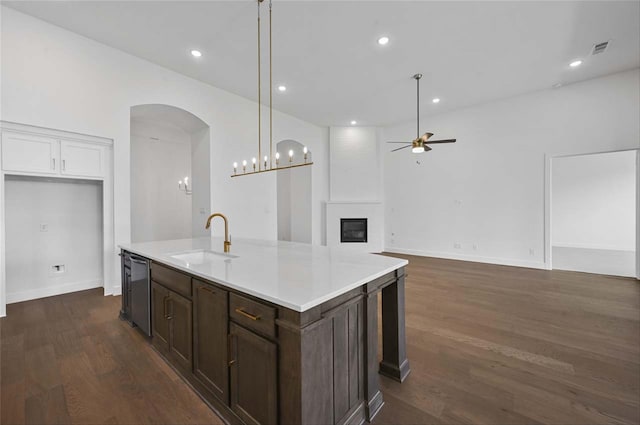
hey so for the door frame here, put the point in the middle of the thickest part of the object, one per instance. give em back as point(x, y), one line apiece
point(548, 185)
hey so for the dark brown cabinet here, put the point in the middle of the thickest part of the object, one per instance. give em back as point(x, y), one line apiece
point(172, 320)
point(210, 325)
point(253, 384)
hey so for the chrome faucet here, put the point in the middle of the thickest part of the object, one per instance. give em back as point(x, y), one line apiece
point(227, 241)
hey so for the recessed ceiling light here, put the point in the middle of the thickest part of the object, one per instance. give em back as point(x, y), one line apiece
point(435, 100)
point(354, 122)
point(282, 88)
point(196, 53)
point(383, 40)
point(575, 63)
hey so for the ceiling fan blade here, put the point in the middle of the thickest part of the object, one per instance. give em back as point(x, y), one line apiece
point(404, 147)
point(442, 141)
point(426, 136)
point(427, 149)
point(400, 142)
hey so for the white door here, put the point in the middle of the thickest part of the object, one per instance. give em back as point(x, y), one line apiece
point(82, 159)
point(29, 154)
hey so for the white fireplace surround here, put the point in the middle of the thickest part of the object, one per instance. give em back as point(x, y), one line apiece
point(371, 210)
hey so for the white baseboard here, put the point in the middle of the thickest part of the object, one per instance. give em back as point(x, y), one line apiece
point(474, 258)
point(117, 290)
point(33, 294)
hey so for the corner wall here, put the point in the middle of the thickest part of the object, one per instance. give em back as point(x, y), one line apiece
point(483, 198)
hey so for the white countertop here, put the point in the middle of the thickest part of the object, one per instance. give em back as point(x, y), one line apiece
point(294, 275)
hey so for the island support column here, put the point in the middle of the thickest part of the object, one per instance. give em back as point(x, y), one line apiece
point(394, 356)
point(395, 364)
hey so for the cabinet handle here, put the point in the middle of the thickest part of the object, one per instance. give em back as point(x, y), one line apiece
point(231, 353)
point(164, 302)
point(204, 288)
point(53, 161)
point(170, 316)
point(249, 315)
point(64, 165)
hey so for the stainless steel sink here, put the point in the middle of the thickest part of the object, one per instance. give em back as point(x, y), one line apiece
point(201, 256)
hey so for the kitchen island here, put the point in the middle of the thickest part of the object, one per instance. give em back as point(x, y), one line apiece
point(276, 332)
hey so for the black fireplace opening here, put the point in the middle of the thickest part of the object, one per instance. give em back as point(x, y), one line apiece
point(353, 230)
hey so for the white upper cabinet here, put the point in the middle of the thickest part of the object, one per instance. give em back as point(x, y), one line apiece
point(29, 153)
point(82, 159)
point(26, 153)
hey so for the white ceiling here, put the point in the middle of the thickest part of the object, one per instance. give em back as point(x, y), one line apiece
point(326, 52)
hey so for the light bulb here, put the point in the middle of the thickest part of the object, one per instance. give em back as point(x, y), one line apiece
point(277, 155)
point(417, 149)
point(186, 180)
point(179, 182)
point(235, 165)
point(290, 153)
point(253, 160)
point(304, 150)
point(244, 163)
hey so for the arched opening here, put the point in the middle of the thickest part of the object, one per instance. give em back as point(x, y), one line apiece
point(168, 145)
point(294, 196)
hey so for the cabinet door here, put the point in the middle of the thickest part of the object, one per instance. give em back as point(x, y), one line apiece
point(29, 154)
point(210, 323)
point(254, 384)
point(159, 314)
point(180, 336)
point(82, 159)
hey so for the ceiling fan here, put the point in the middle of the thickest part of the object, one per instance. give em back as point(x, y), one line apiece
point(419, 144)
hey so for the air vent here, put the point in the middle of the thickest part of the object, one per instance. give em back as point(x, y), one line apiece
point(600, 47)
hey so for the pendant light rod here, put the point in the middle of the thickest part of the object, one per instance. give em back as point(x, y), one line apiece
point(259, 95)
point(417, 78)
point(270, 93)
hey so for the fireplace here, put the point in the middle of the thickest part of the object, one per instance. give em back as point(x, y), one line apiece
point(353, 230)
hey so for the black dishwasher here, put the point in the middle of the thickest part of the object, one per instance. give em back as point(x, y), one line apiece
point(135, 292)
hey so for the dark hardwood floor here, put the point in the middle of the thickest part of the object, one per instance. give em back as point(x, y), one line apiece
point(487, 344)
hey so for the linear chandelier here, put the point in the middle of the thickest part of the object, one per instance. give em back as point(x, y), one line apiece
point(266, 165)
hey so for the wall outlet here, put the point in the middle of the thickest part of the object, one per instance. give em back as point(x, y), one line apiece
point(202, 211)
point(532, 251)
point(457, 245)
point(44, 227)
point(475, 246)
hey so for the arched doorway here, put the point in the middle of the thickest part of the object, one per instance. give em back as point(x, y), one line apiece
point(168, 145)
point(294, 196)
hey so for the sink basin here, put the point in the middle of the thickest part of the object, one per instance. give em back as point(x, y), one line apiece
point(201, 256)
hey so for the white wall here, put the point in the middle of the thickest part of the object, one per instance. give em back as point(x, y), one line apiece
point(294, 196)
point(594, 201)
point(71, 210)
point(159, 211)
point(201, 179)
point(488, 189)
point(355, 164)
point(57, 79)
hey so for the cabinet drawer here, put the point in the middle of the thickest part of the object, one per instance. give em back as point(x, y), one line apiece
point(253, 315)
point(172, 279)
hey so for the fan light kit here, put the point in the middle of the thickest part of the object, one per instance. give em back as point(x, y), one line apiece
point(419, 144)
point(267, 161)
point(196, 53)
point(575, 63)
point(383, 40)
